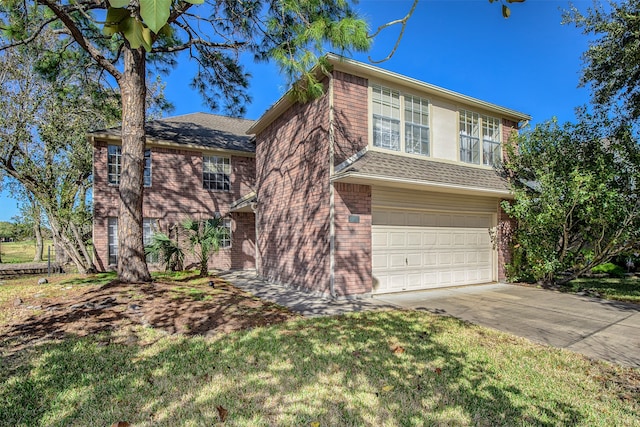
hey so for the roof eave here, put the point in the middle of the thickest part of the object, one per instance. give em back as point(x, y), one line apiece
point(367, 179)
point(367, 70)
point(166, 143)
point(359, 68)
point(244, 204)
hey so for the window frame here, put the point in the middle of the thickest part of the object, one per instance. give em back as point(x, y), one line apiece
point(402, 122)
point(113, 178)
point(112, 240)
point(208, 184)
point(148, 225)
point(226, 243)
point(474, 127)
point(149, 228)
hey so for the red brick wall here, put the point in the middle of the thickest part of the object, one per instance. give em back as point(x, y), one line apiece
point(351, 115)
point(353, 239)
point(292, 177)
point(176, 193)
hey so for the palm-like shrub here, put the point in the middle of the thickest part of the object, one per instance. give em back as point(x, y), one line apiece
point(167, 251)
point(205, 238)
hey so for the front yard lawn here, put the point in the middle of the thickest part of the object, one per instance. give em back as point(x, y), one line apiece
point(626, 289)
point(185, 365)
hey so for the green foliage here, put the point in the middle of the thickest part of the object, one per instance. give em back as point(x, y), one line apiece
point(8, 230)
point(168, 251)
point(576, 201)
point(205, 238)
point(609, 268)
point(611, 61)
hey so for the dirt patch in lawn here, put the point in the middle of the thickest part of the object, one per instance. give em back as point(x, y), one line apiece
point(174, 307)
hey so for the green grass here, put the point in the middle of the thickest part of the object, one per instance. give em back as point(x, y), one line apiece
point(23, 251)
point(340, 371)
point(626, 289)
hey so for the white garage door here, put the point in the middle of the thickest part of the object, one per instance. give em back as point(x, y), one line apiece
point(422, 250)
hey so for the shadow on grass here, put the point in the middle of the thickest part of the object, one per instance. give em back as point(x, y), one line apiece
point(625, 290)
point(98, 279)
point(335, 371)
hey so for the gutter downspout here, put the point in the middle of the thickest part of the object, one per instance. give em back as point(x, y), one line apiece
point(254, 208)
point(332, 207)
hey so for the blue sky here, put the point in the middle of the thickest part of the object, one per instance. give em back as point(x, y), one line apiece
point(529, 62)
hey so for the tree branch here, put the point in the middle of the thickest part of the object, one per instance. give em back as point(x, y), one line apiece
point(195, 42)
point(30, 38)
point(402, 21)
point(77, 35)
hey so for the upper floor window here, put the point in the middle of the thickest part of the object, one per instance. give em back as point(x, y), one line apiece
point(400, 122)
point(216, 173)
point(114, 165)
point(479, 139)
point(491, 150)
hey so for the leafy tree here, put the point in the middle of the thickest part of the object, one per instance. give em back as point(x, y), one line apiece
point(7, 230)
point(43, 145)
point(575, 197)
point(205, 238)
point(123, 37)
point(611, 61)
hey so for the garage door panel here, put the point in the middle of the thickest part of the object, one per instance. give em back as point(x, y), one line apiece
point(379, 261)
point(414, 260)
point(429, 220)
point(444, 239)
point(397, 239)
point(429, 259)
point(397, 261)
point(413, 219)
point(458, 239)
point(459, 258)
point(379, 239)
point(410, 252)
point(429, 238)
point(445, 258)
point(414, 239)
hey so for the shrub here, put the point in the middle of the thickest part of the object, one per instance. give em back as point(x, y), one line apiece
point(609, 268)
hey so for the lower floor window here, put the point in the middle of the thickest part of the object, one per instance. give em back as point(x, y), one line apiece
point(226, 239)
point(112, 232)
point(149, 227)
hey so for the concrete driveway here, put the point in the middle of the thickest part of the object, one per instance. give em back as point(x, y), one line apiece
point(598, 328)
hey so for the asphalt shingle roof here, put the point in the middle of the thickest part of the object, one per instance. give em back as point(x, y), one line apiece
point(202, 129)
point(377, 164)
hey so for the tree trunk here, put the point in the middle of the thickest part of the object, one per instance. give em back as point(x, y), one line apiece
point(37, 230)
point(70, 247)
point(61, 256)
point(132, 264)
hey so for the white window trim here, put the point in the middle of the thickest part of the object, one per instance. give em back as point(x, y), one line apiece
point(112, 239)
point(118, 172)
point(228, 224)
point(402, 106)
point(229, 174)
point(481, 137)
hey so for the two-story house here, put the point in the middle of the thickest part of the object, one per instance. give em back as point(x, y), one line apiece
point(196, 166)
point(383, 184)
